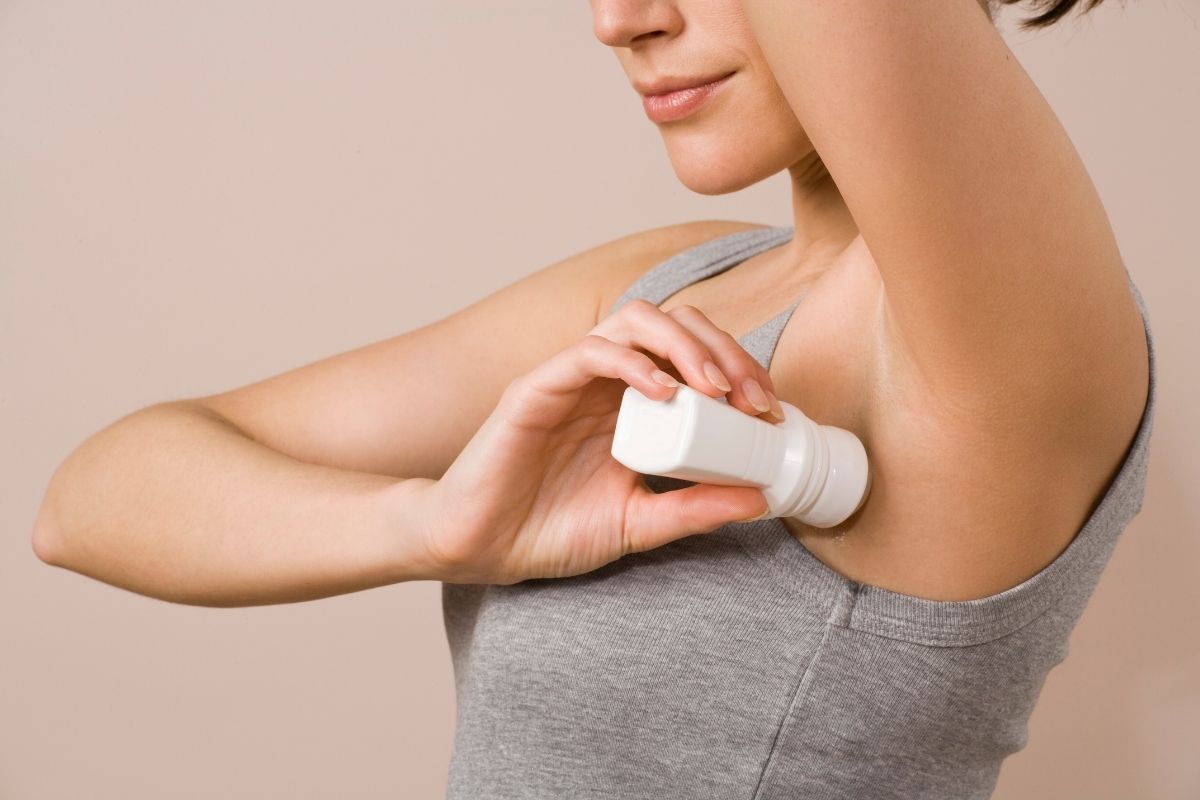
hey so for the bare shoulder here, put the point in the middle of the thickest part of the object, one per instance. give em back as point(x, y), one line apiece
point(406, 405)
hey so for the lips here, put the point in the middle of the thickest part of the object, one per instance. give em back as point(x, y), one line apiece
point(679, 103)
point(667, 85)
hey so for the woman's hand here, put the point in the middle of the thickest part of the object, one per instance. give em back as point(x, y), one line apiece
point(536, 493)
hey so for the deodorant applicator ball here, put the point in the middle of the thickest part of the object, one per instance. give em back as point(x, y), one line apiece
point(816, 473)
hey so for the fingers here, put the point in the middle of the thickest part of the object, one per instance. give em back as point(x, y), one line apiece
point(708, 358)
point(642, 324)
point(551, 389)
point(653, 520)
point(623, 346)
point(750, 381)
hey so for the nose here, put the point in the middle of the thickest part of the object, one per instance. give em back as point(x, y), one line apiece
point(625, 23)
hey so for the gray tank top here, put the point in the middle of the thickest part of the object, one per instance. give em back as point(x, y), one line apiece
point(737, 665)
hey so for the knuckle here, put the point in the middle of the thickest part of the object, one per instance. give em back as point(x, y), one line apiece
point(637, 362)
point(639, 307)
point(730, 343)
point(513, 390)
point(686, 310)
point(748, 366)
point(634, 309)
point(594, 347)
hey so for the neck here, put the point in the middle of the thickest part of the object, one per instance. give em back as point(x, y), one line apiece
point(824, 228)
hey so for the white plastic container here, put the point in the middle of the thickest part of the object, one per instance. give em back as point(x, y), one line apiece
point(816, 473)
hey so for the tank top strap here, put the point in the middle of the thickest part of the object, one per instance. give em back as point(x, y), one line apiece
point(760, 342)
point(711, 258)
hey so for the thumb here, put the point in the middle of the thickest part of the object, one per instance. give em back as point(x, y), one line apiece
point(655, 519)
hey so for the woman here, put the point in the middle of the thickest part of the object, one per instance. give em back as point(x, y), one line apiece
point(950, 291)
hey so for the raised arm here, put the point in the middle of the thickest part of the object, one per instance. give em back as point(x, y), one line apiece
point(1001, 272)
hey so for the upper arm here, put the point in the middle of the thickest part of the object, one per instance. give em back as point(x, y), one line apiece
point(406, 406)
point(1001, 274)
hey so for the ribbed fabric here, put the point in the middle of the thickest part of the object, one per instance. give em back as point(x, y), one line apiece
point(737, 665)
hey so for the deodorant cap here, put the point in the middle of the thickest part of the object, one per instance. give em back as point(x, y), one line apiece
point(847, 484)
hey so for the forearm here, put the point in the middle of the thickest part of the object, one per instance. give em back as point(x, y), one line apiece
point(175, 502)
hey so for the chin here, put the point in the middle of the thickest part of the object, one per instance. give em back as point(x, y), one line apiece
point(704, 179)
point(712, 164)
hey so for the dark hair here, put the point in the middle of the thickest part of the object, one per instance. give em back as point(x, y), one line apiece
point(1052, 11)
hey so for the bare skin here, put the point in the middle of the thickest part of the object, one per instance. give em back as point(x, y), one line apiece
point(998, 382)
point(955, 512)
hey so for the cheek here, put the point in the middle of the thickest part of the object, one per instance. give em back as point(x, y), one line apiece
point(767, 97)
point(756, 123)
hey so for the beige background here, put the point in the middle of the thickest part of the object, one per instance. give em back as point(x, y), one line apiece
point(197, 195)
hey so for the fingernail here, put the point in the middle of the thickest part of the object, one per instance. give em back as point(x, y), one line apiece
point(716, 377)
point(658, 376)
point(754, 393)
point(776, 411)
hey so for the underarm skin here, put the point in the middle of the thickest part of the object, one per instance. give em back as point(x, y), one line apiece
point(1000, 270)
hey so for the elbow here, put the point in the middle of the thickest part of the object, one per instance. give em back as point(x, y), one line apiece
point(45, 540)
point(51, 547)
point(42, 548)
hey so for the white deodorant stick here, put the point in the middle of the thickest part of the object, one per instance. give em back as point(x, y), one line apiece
point(816, 473)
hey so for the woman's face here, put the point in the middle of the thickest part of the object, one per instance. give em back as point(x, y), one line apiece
point(742, 133)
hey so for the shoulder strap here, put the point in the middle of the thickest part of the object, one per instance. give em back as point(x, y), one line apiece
point(760, 342)
point(705, 260)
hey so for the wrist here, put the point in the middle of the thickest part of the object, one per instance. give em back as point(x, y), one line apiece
point(408, 511)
